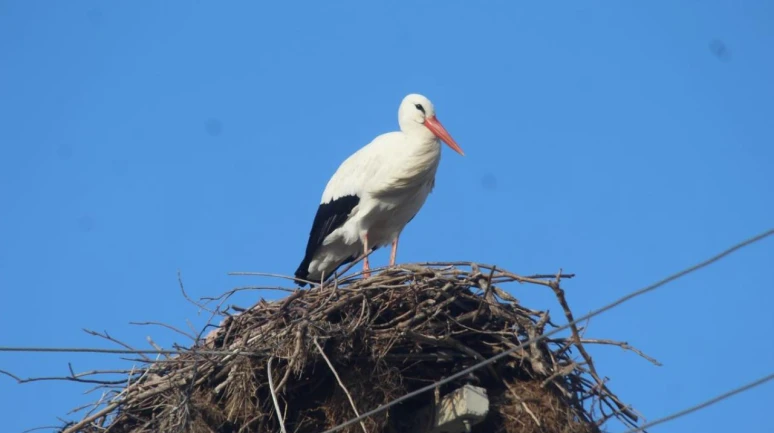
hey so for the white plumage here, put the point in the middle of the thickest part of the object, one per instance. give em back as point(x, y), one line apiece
point(376, 192)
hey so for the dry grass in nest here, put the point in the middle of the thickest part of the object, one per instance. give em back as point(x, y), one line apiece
point(395, 332)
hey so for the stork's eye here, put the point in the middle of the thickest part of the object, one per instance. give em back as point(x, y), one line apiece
point(420, 108)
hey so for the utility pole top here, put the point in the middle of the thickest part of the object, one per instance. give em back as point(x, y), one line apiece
point(456, 412)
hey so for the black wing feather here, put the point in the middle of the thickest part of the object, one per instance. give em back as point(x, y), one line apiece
point(329, 217)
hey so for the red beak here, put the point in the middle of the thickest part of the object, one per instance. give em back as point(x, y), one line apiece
point(436, 128)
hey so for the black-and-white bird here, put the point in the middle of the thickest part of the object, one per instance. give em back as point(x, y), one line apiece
point(376, 192)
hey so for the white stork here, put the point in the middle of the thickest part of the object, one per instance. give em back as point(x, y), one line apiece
point(376, 192)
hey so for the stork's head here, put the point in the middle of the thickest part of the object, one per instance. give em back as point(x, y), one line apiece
point(416, 116)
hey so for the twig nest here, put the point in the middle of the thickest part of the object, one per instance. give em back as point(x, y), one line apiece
point(381, 337)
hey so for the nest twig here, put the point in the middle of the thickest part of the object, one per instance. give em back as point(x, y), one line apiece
point(356, 344)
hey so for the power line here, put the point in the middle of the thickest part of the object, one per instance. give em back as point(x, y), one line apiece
point(702, 405)
point(474, 367)
point(519, 346)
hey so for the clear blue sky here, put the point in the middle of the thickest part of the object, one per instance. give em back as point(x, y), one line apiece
point(619, 140)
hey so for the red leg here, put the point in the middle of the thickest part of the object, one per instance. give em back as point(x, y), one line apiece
point(366, 250)
point(394, 252)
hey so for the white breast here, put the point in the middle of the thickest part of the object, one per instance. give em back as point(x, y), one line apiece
point(402, 174)
point(392, 177)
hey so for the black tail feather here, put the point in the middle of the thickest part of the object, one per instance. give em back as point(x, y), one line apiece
point(329, 217)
